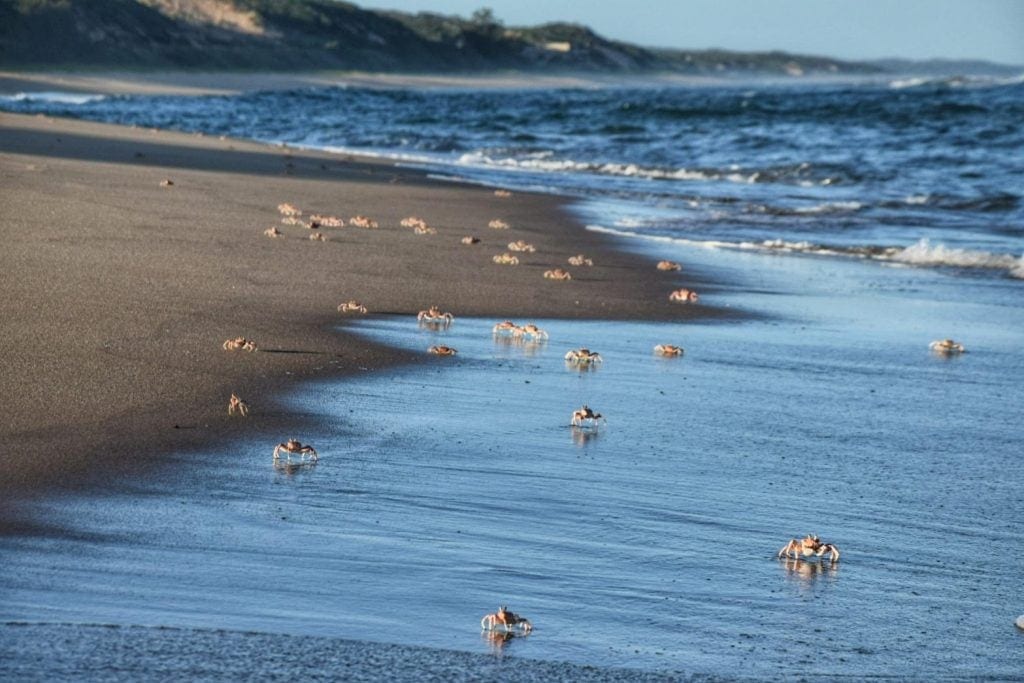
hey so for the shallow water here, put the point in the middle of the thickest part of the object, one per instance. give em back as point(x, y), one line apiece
point(449, 488)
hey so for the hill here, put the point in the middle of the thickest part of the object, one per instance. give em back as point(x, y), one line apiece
point(325, 34)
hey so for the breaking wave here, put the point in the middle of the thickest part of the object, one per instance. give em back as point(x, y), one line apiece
point(53, 97)
point(801, 174)
point(955, 82)
point(922, 253)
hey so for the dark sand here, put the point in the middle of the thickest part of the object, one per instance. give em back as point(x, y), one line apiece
point(118, 293)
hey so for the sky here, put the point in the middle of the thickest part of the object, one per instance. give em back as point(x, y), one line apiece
point(847, 29)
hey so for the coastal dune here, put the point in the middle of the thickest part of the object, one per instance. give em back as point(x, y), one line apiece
point(120, 289)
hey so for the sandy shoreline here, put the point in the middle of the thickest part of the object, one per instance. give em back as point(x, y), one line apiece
point(119, 291)
point(233, 82)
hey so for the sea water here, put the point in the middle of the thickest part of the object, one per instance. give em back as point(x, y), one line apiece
point(451, 487)
point(457, 485)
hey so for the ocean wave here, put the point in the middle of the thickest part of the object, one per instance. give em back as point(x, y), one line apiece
point(955, 81)
point(53, 97)
point(545, 162)
point(921, 254)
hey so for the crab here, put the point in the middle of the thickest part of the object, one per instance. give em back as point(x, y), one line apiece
point(413, 222)
point(504, 194)
point(424, 230)
point(520, 245)
point(498, 224)
point(363, 222)
point(273, 232)
point(585, 413)
point(351, 306)
point(469, 239)
point(295, 446)
point(506, 326)
point(317, 237)
point(683, 296)
point(442, 351)
point(293, 220)
point(557, 274)
point(668, 265)
point(947, 347)
point(237, 404)
point(434, 315)
point(668, 350)
point(583, 356)
point(506, 259)
point(319, 221)
point(166, 182)
point(580, 260)
point(289, 210)
point(530, 330)
point(504, 620)
point(239, 344)
point(810, 545)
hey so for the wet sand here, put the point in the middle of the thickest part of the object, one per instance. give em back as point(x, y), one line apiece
point(119, 291)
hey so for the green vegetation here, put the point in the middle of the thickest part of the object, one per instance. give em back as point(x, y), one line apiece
point(324, 34)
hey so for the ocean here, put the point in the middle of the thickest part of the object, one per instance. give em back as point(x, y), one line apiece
point(855, 222)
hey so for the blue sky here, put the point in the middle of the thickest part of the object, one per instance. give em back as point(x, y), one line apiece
point(850, 29)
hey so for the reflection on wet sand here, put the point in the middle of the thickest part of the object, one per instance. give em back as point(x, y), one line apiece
point(581, 436)
point(807, 572)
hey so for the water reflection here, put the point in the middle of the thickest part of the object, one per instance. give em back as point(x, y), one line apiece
point(291, 468)
point(581, 436)
point(807, 573)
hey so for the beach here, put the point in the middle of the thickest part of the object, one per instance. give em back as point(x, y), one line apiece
point(124, 290)
point(148, 534)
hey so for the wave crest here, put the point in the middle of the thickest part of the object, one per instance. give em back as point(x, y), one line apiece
point(922, 253)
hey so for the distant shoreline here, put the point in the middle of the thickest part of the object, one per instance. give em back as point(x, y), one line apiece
point(195, 83)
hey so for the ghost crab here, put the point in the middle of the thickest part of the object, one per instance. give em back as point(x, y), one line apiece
point(498, 224)
point(352, 306)
point(557, 274)
point(668, 350)
point(239, 344)
point(530, 330)
point(583, 356)
point(506, 259)
point(273, 232)
point(520, 245)
point(363, 222)
point(584, 414)
point(413, 222)
point(668, 265)
point(580, 260)
point(505, 621)
point(947, 347)
point(434, 316)
point(442, 351)
point(295, 446)
point(469, 239)
point(506, 326)
point(809, 546)
point(320, 221)
point(237, 404)
point(683, 296)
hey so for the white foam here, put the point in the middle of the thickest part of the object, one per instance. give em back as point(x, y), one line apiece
point(53, 97)
point(956, 81)
point(543, 161)
point(921, 254)
point(830, 207)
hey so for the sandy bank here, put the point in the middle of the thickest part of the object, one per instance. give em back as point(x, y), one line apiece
point(118, 292)
point(230, 82)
